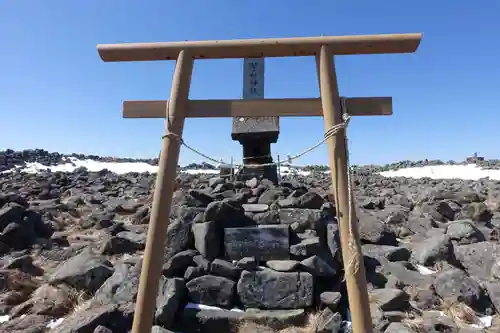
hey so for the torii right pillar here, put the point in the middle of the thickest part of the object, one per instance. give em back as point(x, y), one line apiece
point(341, 186)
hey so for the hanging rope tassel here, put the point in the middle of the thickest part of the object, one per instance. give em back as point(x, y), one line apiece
point(352, 267)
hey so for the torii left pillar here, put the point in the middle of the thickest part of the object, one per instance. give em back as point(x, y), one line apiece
point(160, 211)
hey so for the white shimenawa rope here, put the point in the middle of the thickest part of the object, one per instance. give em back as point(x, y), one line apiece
point(331, 132)
point(352, 266)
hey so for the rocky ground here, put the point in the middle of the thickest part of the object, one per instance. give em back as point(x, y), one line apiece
point(72, 245)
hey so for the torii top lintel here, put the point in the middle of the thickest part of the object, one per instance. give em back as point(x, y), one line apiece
point(269, 47)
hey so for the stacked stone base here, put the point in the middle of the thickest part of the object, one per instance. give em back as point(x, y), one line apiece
point(265, 261)
point(265, 172)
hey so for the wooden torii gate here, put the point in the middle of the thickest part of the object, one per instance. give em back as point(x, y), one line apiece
point(329, 105)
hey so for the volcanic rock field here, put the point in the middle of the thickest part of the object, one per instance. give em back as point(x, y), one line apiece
point(71, 246)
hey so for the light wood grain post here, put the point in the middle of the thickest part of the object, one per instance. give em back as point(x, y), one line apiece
point(162, 200)
point(332, 114)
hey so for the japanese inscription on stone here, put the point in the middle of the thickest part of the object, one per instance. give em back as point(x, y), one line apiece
point(264, 242)
point(253, 78)
point(253, 88)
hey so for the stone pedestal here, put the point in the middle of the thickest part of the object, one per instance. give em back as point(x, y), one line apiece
point(256, 136)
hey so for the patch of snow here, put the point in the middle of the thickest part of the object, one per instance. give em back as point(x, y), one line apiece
point(286, 170)
point(424, 270)
point(201, 171)
point(73, 163)
point(403, 240)
point(469, 171)
point(348, 322)
point(4, 318)
point(237, 310)
point(94, 166)
point(208, 307)
point(484, 322)
point(54, 323)
point(91, 165)
point(201, 307)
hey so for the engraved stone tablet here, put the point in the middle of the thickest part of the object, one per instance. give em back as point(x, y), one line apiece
point(253, 78)
point(264, 242)
point(253, 88)
point(272, 290)
point(243, 125)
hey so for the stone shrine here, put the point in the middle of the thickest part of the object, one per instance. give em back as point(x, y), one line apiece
point(255, 133)
point(273, 284)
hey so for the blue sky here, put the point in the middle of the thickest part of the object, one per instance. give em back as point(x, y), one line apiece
point(56, 93)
